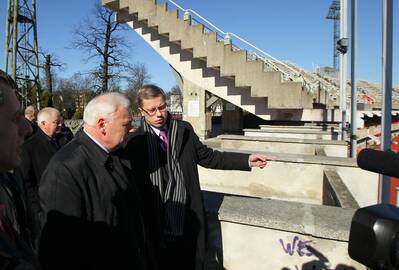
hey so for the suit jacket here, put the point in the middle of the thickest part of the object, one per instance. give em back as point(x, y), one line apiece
point(34, 127)
point(191, 152)
point(93, 211)
point(15, 243)
point(36, 154)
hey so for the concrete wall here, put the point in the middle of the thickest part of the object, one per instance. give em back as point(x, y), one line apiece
point(255, 234)
point(362, 184)
point(194, 108)
point(283, 145)
point(259, 248)
point(293, 134)
point(336, 150)
point(280, 180)
point(293, 177)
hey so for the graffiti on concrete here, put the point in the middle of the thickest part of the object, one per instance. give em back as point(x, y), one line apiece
point(296, 246)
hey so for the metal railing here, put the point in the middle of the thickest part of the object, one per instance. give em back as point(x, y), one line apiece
point(310, 81)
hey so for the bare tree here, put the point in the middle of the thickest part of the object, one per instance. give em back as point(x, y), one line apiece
point(73, 94)
point(100, 38)
point(50, 62)
point(175, 99)
point(137, 76)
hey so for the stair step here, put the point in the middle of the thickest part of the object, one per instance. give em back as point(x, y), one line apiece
point(204, 51)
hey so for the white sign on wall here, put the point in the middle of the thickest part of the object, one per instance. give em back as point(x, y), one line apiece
point(193, 108)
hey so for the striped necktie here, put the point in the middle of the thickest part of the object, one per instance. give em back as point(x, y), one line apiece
point(164, 138)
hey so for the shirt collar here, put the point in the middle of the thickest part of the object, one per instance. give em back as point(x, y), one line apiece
point(96, 142)
point(158, 130)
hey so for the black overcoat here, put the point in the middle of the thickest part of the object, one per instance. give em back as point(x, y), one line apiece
point(93, 211)
point(191, 152)
point(36, 154)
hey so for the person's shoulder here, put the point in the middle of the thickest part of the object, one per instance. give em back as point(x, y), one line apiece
point(69, 153)
point(134, 139)
point(184, 124)
point(33, 141)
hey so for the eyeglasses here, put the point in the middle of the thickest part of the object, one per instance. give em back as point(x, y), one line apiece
point(153, 111)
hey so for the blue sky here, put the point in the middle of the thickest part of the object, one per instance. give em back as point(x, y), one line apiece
point(291, 30)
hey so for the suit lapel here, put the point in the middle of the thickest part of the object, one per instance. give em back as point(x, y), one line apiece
point(179, 138)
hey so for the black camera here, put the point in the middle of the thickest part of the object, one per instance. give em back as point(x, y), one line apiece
point(374, 232)
point(342, 45)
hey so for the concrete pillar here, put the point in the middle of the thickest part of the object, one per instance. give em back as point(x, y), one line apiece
point(232, 118)
point(227, 39)
point(194, 109)
point(187, 16)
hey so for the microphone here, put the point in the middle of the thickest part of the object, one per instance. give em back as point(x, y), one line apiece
point(383, 162)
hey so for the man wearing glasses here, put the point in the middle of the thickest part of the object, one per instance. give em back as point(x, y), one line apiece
point(165, 154)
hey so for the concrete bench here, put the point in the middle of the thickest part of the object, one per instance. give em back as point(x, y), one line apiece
point(293, 177)
point(292, 133)
point(299, 128)
point(251, 233)
point(284, 145)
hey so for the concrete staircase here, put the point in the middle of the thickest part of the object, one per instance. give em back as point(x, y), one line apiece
point(199, 56)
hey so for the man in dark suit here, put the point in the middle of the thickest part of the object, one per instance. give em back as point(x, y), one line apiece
point(165, 154)
point(37, 152)
point(93, 209)
point(64, 135)
point(15, 242)
point(31, 116)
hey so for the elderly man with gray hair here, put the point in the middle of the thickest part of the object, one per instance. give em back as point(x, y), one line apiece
point(31, 116)
point(89, 199)
point(36, 154)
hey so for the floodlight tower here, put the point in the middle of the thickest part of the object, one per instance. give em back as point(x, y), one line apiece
point(21, 49)
point(333, 14)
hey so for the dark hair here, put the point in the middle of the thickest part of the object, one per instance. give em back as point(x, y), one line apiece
point(8, 81)
point(149, 91)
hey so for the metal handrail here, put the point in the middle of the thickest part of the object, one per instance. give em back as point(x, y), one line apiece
point(231, 34)
point(296, 76)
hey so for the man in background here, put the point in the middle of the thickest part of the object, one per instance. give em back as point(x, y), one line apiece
point(31, 116)
point(15, 241)
point(65, 134)
point(36, 154)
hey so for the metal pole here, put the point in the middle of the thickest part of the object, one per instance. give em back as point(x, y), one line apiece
point(14, 40)
point(343, 68)
point(386, 119)
point(36, 55)
point(7, 43)
point(353, 79)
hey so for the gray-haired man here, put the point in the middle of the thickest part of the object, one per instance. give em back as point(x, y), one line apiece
point(93, 210)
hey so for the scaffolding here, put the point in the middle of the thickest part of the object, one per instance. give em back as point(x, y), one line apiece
point(21, 50)
point(333, 14)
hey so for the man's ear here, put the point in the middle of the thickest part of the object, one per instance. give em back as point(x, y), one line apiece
point(101, 125)
point(141, 112)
